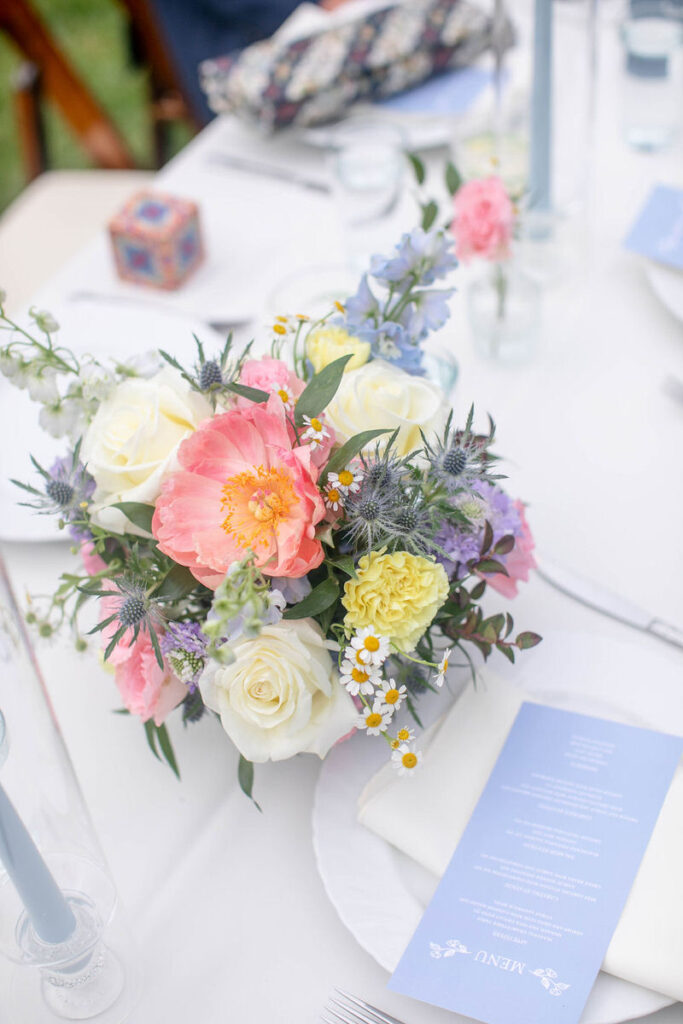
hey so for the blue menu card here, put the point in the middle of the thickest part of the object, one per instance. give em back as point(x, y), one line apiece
point(658, 231)
point(519, 925)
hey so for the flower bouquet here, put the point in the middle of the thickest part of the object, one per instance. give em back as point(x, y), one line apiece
point(297, 541)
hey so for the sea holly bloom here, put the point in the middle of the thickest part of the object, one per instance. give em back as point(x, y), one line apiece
point(375, 720)
point(406, 759)
point(370, 647)
point(358, 678)
point(391, 695)
point(244, 486)
point(443, 667)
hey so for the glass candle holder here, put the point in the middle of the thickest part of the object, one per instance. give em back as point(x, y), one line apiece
point(61, 928)
point(504, 308)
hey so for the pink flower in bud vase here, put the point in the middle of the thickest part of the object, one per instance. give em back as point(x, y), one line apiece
point(518, 562)
point(483, 220)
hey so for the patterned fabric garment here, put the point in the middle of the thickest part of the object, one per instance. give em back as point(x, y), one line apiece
point(314, 79)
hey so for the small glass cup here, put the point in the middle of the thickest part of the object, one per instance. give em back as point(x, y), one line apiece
point(368, 164)
point(651, 34)
point(504, 309)
point(90, 971)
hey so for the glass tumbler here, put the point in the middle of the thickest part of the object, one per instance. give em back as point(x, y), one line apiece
point(68, 953)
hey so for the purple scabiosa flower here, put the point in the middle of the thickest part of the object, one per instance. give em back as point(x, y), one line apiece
point(455, 546)
point(184, 645)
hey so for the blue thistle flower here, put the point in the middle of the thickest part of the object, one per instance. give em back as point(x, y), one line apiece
point(461, 458)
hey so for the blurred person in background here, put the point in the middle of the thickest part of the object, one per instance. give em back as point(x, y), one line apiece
point(197, 29)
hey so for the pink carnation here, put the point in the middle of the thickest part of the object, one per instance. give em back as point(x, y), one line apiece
point(146, 689)
point(518, 562)
point(244, 486)
point(92, 562)
point(273, 376)
point(483, 220)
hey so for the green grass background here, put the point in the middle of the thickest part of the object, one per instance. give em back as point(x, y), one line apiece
point(93, 35)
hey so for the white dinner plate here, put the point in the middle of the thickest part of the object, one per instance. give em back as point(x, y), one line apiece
point(380, 894)
point(667, 284)
point(103, 330)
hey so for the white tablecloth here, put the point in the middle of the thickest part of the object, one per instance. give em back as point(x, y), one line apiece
point(226, 904)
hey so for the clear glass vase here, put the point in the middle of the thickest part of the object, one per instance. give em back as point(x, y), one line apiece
point(68, 952)
point(504, 313)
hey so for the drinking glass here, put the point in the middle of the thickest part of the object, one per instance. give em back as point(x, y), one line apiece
point(69, 955)
point(651, 35)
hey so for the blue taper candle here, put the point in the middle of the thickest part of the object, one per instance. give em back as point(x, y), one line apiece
point(49, 913)
point(540, 158)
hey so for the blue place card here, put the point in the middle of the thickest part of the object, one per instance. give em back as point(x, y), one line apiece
point(453, 92)
point(520, 923)
point(658, 231)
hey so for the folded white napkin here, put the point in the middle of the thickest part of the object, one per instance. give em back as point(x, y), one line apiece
point(426, 816)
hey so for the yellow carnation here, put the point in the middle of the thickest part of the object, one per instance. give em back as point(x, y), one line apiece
point(397, 594)
point(326, 344)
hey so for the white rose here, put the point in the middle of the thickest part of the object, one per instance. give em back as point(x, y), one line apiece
point(133, 439)
point(380, 395)
point(281, 696)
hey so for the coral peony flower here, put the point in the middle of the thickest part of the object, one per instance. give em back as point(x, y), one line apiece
point(244, 487)
point(483, 220)
point(519, 561)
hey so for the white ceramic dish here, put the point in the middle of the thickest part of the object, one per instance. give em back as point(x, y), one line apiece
point(102, 329)
point(577, 672)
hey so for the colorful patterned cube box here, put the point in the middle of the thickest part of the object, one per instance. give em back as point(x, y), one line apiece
point(157, 240)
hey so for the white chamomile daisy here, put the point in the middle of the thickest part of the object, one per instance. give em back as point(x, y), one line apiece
point(333, 498)
point(358, 678)
point(375, 720)
point(406, 759)
point(315, 432)
point(404, 735)
point(391, 695)
point(348, 481)
point(443, 667)
point(370, 647)
point(286, 397)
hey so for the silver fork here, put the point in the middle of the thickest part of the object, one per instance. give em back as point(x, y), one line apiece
point(343, 1008)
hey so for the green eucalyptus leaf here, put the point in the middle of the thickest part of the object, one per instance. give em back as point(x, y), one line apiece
point(418, 168)
point(321, 389)
point(345, 563)
point(245, 777)
point(507, 651)
point(350, 449)
point(139, 514)
point(453, 178)
point(504, 545)
point(253, 394)
point(167, 749)
point(320, 598)
point(177, 584)
point(429, 214)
